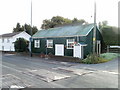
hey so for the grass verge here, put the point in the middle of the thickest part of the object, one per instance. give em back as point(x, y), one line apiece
point(105, 57)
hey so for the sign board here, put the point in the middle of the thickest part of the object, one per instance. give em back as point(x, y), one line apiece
point(59, 50)
point(31, 39)
point(94, 39)
point(77, 51)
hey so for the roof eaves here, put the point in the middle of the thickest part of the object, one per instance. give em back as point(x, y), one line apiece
point(89, 30)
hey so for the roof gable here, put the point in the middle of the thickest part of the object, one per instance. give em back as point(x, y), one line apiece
point(10, 34)
point(66, 31)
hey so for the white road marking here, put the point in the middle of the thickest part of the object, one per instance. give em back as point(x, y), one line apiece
point(116, 73)
point(11, 68)
point(15, 86)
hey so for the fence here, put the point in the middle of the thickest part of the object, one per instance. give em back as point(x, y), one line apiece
point(113, 49)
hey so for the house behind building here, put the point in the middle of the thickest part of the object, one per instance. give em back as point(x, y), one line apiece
point(7, 40)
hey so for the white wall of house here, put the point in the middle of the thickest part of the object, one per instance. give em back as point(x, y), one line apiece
point(8, 44)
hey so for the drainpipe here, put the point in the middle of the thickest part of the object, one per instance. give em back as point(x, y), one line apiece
point(77, 39)
point(46, 50)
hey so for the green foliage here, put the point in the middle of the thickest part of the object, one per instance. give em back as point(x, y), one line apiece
point(105, 57)
point(109, 56)
point(58, 20)
point(21, 45)
point(103, 24)
point(110, 35)
point(18, 28)
point(26, 28)
point(93, 59)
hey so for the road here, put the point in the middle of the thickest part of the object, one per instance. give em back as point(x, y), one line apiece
point(38, 72)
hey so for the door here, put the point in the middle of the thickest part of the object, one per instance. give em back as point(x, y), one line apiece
point(59, 50)
point(77, 51)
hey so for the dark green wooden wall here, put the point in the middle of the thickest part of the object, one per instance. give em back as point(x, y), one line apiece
point(62, 40)
point(42, 49)
point(89, 41)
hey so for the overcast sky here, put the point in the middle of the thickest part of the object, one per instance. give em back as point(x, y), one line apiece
point(13, 11)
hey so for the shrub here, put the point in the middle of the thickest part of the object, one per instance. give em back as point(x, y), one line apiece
point(93, 59)
point(21, 45)
point(109, 56)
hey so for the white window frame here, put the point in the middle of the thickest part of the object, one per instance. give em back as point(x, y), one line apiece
point(49, 42)
point(36, 43)
point(70, 42)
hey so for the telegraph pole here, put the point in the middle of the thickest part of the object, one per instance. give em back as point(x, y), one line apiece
point(31, 32)
point(94, 31)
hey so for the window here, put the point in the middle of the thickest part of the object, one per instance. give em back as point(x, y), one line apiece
point(49, 43)
point(2, 40)
point(8, 40)
point(3, 48)
point(70, 43)
point(37, 43)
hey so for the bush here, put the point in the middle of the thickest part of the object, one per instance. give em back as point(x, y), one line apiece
point(93, 59)
point(21, 45)
point(109, 56)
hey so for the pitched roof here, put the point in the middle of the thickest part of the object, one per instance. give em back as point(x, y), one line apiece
point(65, 31)
point(9, 34)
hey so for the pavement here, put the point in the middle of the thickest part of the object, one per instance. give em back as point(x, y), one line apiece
point(34, 72)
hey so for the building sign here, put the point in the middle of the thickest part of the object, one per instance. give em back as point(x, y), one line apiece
point(94, 39)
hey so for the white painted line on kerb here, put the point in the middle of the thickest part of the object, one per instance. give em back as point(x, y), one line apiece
point(116, 73)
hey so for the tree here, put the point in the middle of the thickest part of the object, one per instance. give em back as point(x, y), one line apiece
point(58, 20)
point(21, 45)
point(110, 35)
point(75, 20)
point(18, 28)
point(26, 28)
point(46, 24)
point(103, 24)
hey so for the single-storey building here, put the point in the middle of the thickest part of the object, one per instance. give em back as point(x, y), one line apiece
point(71, 40)
point(7, 40)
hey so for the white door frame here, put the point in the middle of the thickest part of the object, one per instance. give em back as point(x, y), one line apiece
point(98, 47)
point(77, 51)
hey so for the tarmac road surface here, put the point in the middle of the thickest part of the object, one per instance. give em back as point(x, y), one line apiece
point(21, 71)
